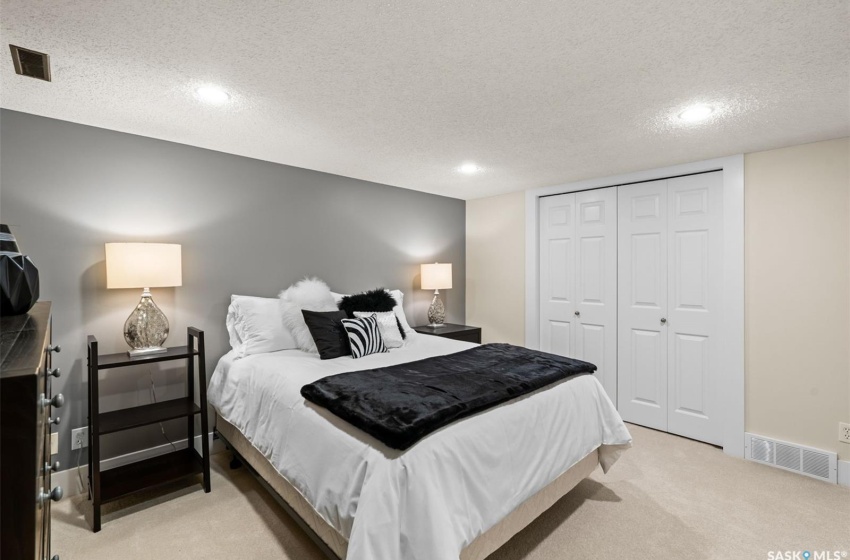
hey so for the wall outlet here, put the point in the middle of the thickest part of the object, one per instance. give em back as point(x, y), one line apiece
point(843, 432)
point(79, 438)
point(54, 443)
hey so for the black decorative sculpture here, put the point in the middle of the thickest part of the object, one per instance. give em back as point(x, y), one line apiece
point(18, 277)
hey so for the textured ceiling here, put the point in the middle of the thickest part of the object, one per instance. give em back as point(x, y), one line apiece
point(536, 92)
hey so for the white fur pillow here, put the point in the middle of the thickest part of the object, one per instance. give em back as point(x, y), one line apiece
point(311, 294)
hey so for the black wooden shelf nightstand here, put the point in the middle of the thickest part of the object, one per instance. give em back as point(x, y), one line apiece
point(112, 484)
point(455, 332)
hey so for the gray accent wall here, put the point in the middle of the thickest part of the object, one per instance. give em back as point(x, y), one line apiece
point(246, 227)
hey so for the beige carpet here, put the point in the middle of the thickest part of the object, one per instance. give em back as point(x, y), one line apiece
point(668, 497)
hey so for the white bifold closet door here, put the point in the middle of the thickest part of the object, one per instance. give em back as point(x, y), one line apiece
point(669, 264)
point(578, 280)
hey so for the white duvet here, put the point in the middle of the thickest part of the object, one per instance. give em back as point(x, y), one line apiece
point(430, 501)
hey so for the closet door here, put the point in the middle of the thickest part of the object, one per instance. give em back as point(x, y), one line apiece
point(642, 297)
point(578, 280)
point(596, 284)
point(695, 209)
point(557, 274)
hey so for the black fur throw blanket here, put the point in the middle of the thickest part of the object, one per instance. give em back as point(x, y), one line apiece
point(401, 404)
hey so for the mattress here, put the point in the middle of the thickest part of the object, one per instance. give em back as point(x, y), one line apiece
point(434, 499)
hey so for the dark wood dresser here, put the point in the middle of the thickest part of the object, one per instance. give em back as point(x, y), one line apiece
point(26, 405)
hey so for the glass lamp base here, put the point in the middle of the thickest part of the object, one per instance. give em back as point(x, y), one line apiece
point(437, 312)
point(146, 328)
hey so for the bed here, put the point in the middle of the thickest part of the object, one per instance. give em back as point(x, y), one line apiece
point(459, 493)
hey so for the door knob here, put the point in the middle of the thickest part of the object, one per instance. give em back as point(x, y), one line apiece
point(663, 320)
point(578, 313)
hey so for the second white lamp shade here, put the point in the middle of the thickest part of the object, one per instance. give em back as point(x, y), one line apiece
point(437, 276)
point(143, 265)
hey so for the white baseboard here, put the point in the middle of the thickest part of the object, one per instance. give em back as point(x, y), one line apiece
point(844, 473)
point(69, 479)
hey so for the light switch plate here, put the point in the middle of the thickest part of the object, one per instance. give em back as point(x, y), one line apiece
point(54, 443)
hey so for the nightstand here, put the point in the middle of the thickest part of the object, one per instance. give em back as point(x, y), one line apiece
point(109, 485)
point(455, 332)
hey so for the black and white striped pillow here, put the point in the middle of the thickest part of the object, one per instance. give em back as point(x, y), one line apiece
point(364, 336)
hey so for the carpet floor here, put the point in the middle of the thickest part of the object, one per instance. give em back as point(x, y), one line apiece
point(667, 497)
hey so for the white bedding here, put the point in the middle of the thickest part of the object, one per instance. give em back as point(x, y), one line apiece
point(431, 501)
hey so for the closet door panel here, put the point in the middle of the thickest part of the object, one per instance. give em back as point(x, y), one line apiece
point(557, 274)
point(695, 262)
point(648, 357)
point(558, 338)
point(642, 303)
point(596, 284)
point(688, 375)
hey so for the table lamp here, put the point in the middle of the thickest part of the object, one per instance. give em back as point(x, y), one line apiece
point(437, 276)
point(146, 266)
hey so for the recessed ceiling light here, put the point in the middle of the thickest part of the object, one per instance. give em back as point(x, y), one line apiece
point(212, 94)
point(469, 168)
point(696, 113)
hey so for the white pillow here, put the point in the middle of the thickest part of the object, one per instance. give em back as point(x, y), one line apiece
point(255, 326)
point(387, 325)
point(311, 294)
point(398, 296)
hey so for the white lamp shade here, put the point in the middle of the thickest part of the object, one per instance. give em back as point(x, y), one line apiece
point(437, 276)
point(143, 265)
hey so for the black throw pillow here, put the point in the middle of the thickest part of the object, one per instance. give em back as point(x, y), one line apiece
point(328, 333)
point(378, 300)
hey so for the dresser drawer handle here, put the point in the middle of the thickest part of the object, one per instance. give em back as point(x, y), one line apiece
point(57, 401)
point(55, 495)
point(54, 420)
point(54, 348)
point(55, 557)
point(55, 372)
point(51, 468)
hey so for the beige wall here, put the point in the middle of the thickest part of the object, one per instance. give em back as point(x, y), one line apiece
point(797, 212)
point(495, 267)
point(797, 287)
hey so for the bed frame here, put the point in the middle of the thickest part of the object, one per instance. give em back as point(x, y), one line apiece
point(334, 545)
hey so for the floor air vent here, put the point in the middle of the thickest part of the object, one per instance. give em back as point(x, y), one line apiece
point(815, 463)
point(31, 63)
point(762, 450)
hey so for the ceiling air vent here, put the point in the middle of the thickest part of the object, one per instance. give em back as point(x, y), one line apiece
point(31, 63)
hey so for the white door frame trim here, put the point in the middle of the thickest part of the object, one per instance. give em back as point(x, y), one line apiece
point(732, 384)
